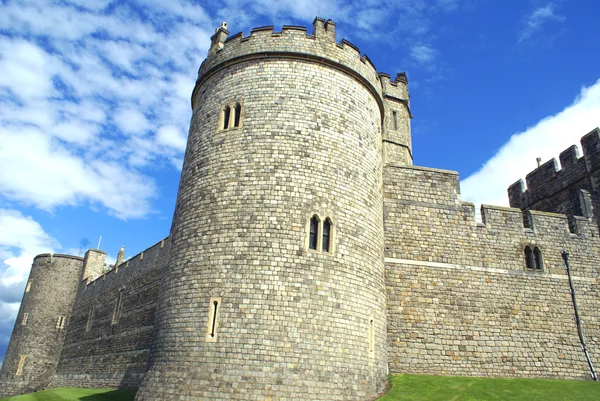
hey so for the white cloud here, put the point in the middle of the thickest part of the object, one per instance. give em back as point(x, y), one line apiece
point(537, 19)
point(36, 170)
point(21, 238)
point(546, 139)
point(82, 91)
point(170, 136)
point(423, 54)
point(131, 121)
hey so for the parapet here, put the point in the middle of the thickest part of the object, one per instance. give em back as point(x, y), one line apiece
point(49, 257)
point(548, 180)
point(293, 42)
point(396, 89)
point(137, 264)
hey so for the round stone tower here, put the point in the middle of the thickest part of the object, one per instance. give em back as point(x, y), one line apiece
point(39, 333)
point(275, 288)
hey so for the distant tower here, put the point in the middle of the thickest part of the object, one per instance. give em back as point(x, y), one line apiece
point(275, 287)
point(39, 332)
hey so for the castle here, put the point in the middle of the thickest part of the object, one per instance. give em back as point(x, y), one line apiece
point(308, 258)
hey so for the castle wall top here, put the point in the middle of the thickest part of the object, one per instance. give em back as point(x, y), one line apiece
point(295, 43)
point(50, 256)
point(423, 210)
point(548, 180)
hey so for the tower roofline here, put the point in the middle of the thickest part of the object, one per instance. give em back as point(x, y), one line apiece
point(293, 42)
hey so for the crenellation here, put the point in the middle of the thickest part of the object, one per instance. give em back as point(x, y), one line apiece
point(238, 36)
point(330, 29)
point(569, 156)
point(542, 174)
point(500, 218)
point(294, 29)
point(262, 31)
point(590, 144)
point(318, 27)
point(570, 190)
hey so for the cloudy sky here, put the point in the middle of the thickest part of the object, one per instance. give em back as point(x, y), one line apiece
point(95, 103)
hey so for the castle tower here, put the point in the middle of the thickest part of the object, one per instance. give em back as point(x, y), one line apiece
point(397, 144)
point(275, 288)
point(38, 336)
point(574, 189)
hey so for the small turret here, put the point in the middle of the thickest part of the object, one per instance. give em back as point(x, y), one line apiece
point(39, 332)
point(120, 256)
point(396, 135)
point(218, 39)
point(94, 264)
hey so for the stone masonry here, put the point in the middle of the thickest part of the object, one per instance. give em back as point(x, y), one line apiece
point(308, 258)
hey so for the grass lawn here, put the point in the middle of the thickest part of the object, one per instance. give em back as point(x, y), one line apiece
point(404, 388)
point(76, 394)
point(438, 388)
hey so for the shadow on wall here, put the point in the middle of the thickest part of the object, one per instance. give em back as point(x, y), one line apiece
point(132, 378)
point(115, 395)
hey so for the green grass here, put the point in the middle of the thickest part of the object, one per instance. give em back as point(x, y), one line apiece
point(404, 388)
point(76, 394)
point(444, 388)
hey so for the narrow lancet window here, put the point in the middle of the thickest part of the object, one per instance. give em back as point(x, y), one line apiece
point(60, 322)
point(395, 119)
point(226, 115)
point(237, 114)
point(326, 234)
point(117, 310)
point(88, 326)
point(529, 259)
point(371, 335)
point(20, 365)
point(537, 257)
point(213, 320)
point(314, 232)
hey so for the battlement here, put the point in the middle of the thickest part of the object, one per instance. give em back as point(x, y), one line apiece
point(49, 257)
point(423, 210)
point(548, 180)
point(139, 261)
point(293, 41)
point(396, 89)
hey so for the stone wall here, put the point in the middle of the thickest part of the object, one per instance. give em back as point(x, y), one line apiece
point(460, 298)
point(37, 340)
point(108, 349)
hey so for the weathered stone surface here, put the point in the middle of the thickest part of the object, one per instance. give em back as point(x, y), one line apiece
point(53, 285)
point(294, 323)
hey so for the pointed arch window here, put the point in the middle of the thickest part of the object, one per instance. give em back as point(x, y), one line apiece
point(326, 234)
point(533, 258)
point(237, 115)
point(320, 234)
point(537, 257)
point(231, 116)
point(117, 311)
point(226, 116)
point(314, 232)
point(529, 260)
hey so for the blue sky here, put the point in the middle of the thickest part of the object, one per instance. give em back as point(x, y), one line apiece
point(95, 103)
